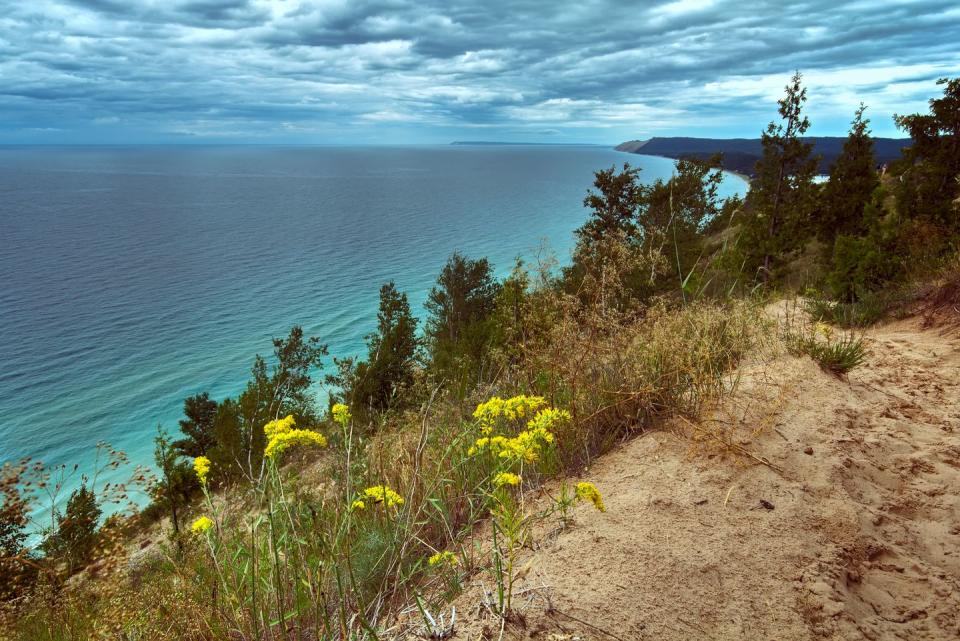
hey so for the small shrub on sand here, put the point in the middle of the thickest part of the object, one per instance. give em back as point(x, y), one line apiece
point(866, 311)
point(835, 352)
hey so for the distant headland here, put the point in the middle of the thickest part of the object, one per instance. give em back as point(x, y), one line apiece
point(525, 144)
point(740, 155)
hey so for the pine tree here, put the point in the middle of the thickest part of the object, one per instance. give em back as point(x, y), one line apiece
point(381, 381)
point(613, 205)
point(76, 534)
point(781, 196)
point(461, 306)
point(930, 182)
point(642, 239)
point(674, 213)
point(270, 393)
point(16, 573)
point(177, 482)
point(201, 412)
point(853, 179)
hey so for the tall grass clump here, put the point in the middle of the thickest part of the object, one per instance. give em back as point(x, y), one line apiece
point(836, 352)
point(864, 312)
point(621, 378)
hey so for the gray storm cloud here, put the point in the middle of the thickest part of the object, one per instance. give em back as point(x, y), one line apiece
point(398, 71)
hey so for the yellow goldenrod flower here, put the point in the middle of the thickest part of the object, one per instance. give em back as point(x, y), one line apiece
point(446, 557)
point(201, 525)
point(512, 409)
point(383, 495)
point(283, 440)
point(506, 478)
point(547, 419)
point(480, 445)
point(201, 465)
point(279, 426)
point(824, 329)
point(526, 445)
point(589, 492)
point(495, 444)
point(358, 505)
point(341, 414)
point(487, 413)
point(521, 406)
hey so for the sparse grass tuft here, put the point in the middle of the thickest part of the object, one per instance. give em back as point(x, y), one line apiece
point(870, 309)
point(835, 352)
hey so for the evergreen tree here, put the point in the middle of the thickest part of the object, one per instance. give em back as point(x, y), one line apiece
point(853, 178)
point(15, 572)
point(613, 205)
point(674, 213)
point(513, 318)
point(270, 393)
point(201, 412)
point(781, 197)
point(607, 248)
point(930, 184)
point(460, 329)
point(392, 349)
point(177, 481)
point(381, 382)
point(650, 235)
point(76, 533)
point(229, 455)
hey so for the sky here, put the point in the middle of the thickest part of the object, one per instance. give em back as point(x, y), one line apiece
point(431, 72)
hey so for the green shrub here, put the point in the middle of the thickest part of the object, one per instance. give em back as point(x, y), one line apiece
point(860, 265)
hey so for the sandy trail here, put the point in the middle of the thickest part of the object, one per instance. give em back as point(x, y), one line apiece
point(859, 537)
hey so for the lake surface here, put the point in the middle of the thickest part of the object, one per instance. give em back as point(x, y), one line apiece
point(132, 277)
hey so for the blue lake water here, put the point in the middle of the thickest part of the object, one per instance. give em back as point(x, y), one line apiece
point(132, 277)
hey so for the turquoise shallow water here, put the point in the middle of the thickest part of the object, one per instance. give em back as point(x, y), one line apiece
point(131, 277)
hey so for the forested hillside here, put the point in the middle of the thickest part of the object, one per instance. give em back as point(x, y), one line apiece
point(741, 154)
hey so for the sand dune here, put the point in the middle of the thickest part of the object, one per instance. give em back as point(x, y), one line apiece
point(851, 532)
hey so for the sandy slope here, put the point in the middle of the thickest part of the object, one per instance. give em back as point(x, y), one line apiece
point(862, 541)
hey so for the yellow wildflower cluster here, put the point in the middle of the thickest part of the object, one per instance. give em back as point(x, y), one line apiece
point(201, 465)
point(286, 440)
point(284, 435)
point(589, 492)
point(547, 419)
point(513, 409)
point(379, 494)
point(443, 558)
point(201, 525)
point(279, 426)
point(823, 328)
point(506, 478)
point(341, 414)
point(526, 445)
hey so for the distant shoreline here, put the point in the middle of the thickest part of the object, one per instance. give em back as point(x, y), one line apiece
point(495, 143)
point(739, 174)
point(740, 155)
point(742, 176)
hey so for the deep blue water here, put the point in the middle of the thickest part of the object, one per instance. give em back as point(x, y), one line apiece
point(132, 277)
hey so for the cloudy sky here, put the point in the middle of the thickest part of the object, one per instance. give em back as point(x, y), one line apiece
point(409, 71)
